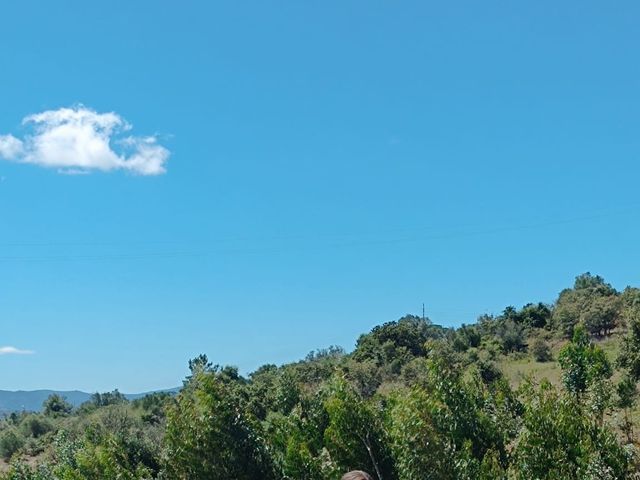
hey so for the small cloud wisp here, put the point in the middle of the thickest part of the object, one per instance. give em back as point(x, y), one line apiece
point(8, 350)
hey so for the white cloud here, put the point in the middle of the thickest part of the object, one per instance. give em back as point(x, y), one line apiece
point(14, 351)
point(10, 147)
point(79, 140)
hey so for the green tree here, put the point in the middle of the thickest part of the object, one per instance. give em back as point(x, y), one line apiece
point(558, 441)
point(511, 334)
point(104, 454)
point(448, 427)
point(20, 470)
point(56, 406)
point(467, 336)
point(629, 357)
point(535, 315)
point(420, 449)
point(35, 426)
point(540, 350)
point(629, 360)
point(296, 442)
point(601, 314)
point(592, 302)
point(200, 364)
point(627, 398)
point(354, 436)
point(10, 442)
point(583, 363)
point(209, 433)
point(108, 398)
point(587, 281)
point(393, 344)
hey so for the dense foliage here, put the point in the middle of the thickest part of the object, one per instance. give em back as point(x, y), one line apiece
point(413, 401)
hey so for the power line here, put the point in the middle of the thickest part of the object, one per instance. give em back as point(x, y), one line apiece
point(203, 247)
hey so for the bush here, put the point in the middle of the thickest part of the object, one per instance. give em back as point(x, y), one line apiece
point(488, 371)
point(10, 442)
point(56, 406)
point(511, 335)
point(35, 426)
point(540, 350)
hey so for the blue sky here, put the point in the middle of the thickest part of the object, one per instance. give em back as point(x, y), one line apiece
point(320, 168)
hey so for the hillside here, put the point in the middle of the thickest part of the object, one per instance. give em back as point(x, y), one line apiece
point(544, 391)
point(31, 401)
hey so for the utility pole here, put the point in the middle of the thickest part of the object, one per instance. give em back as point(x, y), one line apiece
point(423, 311)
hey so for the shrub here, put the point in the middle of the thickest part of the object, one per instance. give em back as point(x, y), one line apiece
point(10, 442)
point(56, 406)
point(35, 426)
point(540, 350)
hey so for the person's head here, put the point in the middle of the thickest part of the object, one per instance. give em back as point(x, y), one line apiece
point(357, 475)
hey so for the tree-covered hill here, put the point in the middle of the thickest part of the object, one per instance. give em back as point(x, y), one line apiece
point(32, 400)
point(545, 391)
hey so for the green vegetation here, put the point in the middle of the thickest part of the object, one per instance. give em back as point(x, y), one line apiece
point(544, 392)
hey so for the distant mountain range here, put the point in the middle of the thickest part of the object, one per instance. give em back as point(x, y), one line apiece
point(31, 401)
